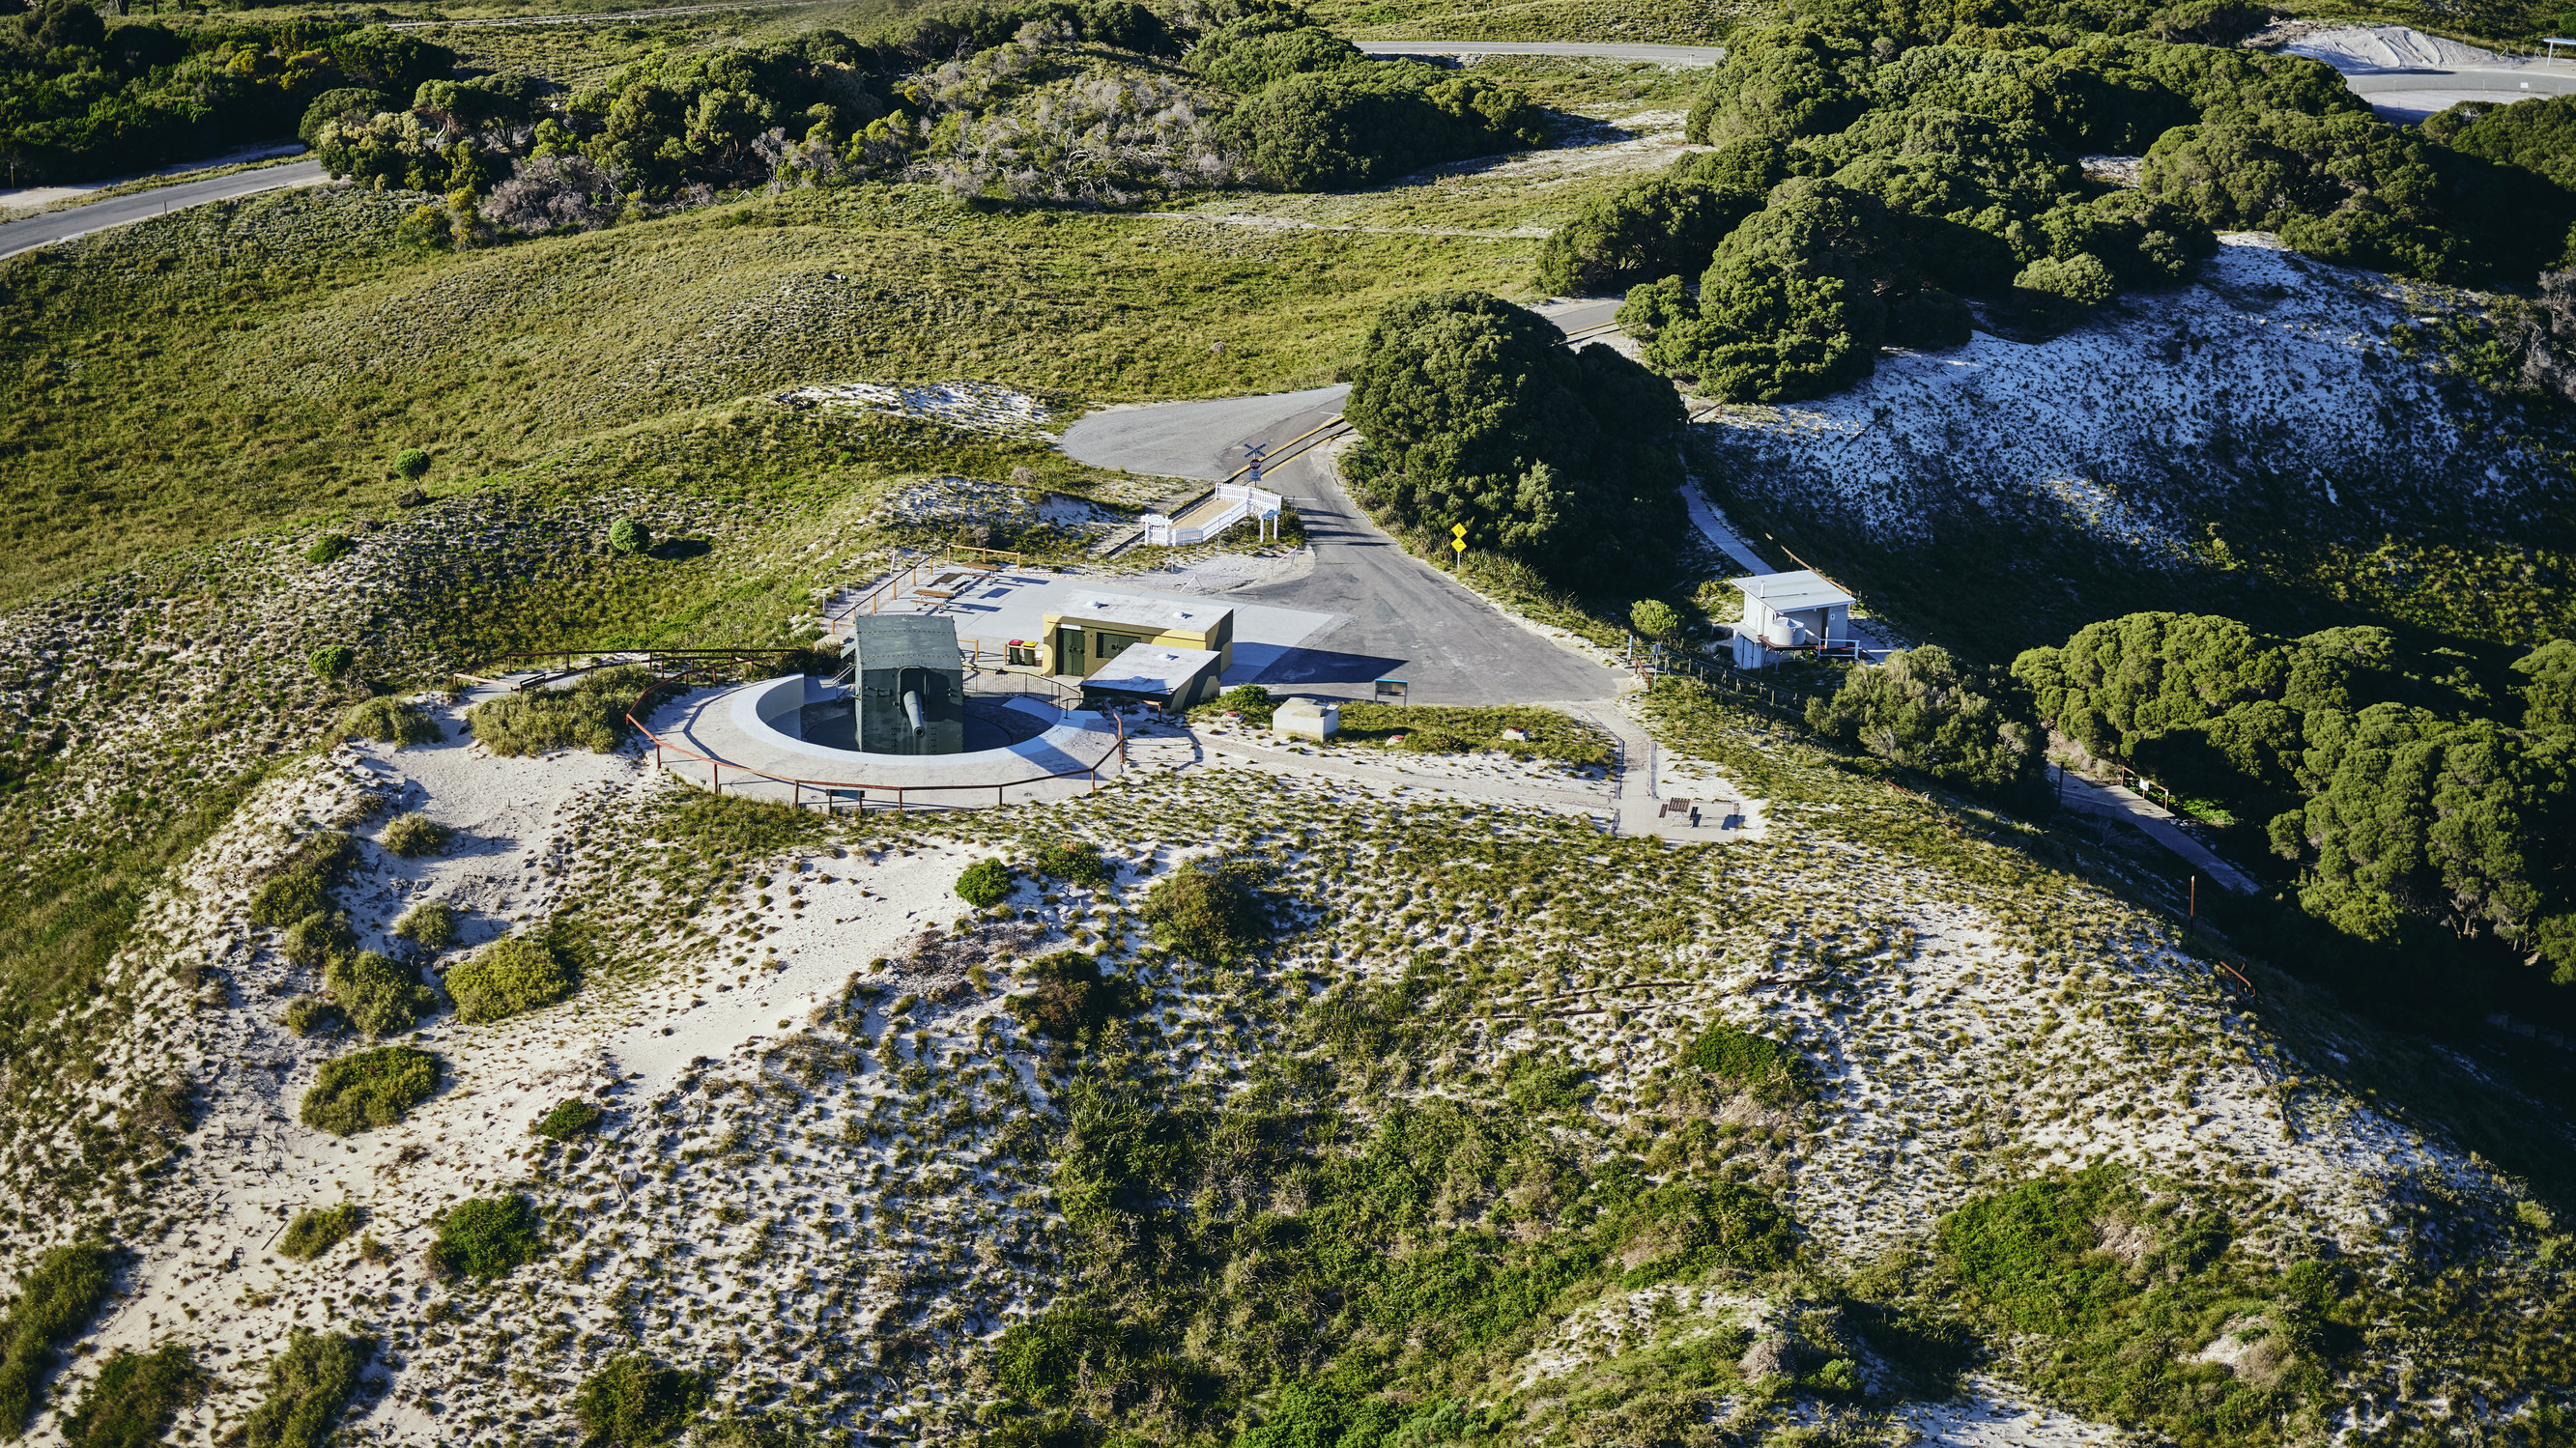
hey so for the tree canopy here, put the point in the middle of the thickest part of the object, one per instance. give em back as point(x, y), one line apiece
point(1561, 458)
point(2410, 809)
point(1923, 710)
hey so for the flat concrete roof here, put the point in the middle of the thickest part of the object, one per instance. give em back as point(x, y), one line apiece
point(903, 641)
point(1129, 610)
point(1145, 669)
point(1790, 592)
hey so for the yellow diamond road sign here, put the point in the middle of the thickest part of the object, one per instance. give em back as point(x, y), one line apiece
point(1458, 543)
point(1458, 528)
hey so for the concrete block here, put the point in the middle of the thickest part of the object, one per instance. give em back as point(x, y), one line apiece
point(1316, 719)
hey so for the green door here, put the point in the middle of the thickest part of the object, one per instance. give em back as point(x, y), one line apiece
point(1068, 653)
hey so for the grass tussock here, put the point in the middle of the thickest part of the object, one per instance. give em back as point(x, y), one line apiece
point(414, 835)
point(310, 1384)
point(389, 720)
point(591, 715)
point(370, 1088)
point(317, 1230)
point(56, 1299)
point(135, 1397)
point(519, 973)
point(433, 925)
point(487, 1236)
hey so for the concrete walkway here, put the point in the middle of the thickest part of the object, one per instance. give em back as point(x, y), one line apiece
point(2110, 800)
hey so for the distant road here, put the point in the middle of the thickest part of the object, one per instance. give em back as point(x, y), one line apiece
point(2407, 96)
point(71, 221)
point(1660, 54)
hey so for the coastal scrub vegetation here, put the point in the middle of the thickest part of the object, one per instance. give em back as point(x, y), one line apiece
point(1558, 458)
point(2415, 800)
point(589, 714)
point(513, 974)
point(56, 1299)
point(369, 1088)
point(135, 1397)
point(316, 1230)
point(1875, 163)
point(486, 1237)
point(310, 1383)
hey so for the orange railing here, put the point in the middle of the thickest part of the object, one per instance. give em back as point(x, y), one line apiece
point(832, 792)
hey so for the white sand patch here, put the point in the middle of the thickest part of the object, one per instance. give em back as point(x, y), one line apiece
point(958, 502)
point(2271, 370)
point(2393, 47)
point(979, 406)
point(1994, 1414)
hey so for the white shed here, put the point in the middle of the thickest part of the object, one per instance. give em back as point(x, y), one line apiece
point(1789, 613)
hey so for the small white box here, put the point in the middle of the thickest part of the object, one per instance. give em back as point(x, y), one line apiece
point(1316, 719)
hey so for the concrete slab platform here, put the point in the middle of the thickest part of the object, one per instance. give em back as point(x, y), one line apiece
point(1006, 605)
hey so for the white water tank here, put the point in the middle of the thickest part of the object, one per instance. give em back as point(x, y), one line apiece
point(1781, 632)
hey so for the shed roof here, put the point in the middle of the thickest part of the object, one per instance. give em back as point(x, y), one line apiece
point(903, 641)
point(1128, 610)
point(1790, 592)
point(1145, 669)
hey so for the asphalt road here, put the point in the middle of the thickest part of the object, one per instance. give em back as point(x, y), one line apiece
point(71, 221)
point(2407, 96)
point(1660, 54)
point(1401, 618)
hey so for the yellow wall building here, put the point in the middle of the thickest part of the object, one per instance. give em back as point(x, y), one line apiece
point(1094, 629)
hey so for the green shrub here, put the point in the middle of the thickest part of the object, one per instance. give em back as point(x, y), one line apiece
point(1070, 996)
point(380, 996)
point(628, 536)
point(519, 973)
point(431, 925)
point(288, 898)
point(1765, 1069)
point(135, 1398)
point(389, 720)
point(410, 464)
point(332, 661)
point(1654, 618)
point(369, 1088)
point(590, 714)
point(319, 1229)
point(308, 1015)
point(1966, 727)
point(332, 105)
point(308, 1385)
point(317, 938)
point(329, 548)
point(1678, 1231)
point(568, 1120)
point(1076, 860)
point(56, 1299)
point(1252, 701)
point(633, 1401)
point(487, 1236)
point(985, 882)
point(414, 834)
point(1211, 913)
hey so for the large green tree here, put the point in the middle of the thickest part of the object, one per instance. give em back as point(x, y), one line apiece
point(1924, 710)
point(1794, 304)
point(2416, 821)
point(1561, 458)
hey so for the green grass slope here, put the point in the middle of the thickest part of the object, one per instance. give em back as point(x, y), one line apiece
point(237, 366)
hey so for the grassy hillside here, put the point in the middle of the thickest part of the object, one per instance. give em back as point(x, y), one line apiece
point(243, 364)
